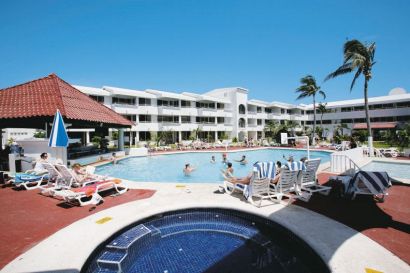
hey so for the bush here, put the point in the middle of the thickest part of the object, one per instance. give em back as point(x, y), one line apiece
point(235, 140)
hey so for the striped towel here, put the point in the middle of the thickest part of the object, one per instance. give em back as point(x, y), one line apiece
point(261, 170)
point(265, 169)
point(376, 182)
point(296, 166)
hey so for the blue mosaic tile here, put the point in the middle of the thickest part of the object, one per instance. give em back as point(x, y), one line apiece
point(205, 241)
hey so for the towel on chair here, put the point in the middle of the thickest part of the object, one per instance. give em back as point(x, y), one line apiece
point(376, 182)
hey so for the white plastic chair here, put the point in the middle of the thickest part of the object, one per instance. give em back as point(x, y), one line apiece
point(307, 181)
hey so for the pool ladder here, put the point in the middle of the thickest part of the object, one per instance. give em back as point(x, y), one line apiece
point(114, 256)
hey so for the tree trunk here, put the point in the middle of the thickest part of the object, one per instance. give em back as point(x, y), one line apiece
point(314, 121)
point(366, 108)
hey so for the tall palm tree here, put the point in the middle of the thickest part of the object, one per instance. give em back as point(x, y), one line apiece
point(322, 110)
point(309, 88)
point(360, 58)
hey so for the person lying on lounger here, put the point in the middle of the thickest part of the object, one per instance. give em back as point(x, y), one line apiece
point(81, 175)
point(240, 180)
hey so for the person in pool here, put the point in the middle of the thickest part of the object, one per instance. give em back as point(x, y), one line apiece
point(228, 173)
point(213, 159)
point(188, 169)
point(224, 158)
point(242, 161)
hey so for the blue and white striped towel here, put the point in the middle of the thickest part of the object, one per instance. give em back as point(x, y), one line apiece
point(376, 182)
point(261, 170)
point(296, 166)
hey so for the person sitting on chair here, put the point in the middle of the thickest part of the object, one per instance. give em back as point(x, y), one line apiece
point(38, 167)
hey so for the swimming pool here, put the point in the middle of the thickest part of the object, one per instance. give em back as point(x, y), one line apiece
point(205, 240)
point(168, 168)
point(394, 169)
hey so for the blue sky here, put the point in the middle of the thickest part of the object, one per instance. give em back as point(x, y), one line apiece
point(196, 46)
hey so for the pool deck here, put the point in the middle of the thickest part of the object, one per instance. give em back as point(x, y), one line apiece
point(344, 249)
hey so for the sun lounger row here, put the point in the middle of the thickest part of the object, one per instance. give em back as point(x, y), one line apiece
point(61, 183)
point(293, 183)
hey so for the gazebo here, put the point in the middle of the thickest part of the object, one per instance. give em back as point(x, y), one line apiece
point(33, 105)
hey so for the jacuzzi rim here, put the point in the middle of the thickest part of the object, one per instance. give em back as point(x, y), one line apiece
point(282, 229)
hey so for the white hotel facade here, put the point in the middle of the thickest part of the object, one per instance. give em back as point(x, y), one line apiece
point(228, 111)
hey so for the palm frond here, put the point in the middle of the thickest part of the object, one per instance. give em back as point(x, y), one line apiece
point(302, 96)
point(340, 71)
point(321, 92)
point(358, 72)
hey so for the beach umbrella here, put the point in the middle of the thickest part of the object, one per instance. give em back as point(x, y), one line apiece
point(58, 137)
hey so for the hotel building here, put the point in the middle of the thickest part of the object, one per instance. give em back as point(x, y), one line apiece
point(228, 112)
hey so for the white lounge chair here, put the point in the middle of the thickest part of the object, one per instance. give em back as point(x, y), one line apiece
point(369, 183)
point(308, 180)
point(89, 194)
point(29, 181)
point(285, 186)
point(258, 188)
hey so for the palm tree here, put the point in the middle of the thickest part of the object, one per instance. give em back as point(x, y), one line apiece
point(309, 88)
point(272, 127)
point(358, 57)
point(322, 110)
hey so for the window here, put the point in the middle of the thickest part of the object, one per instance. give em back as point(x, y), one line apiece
point(131, 117)
point(346, 109)
point(144, 136)
point(309, 112)
point(206, 105)
point(241, 123)
point(403, 104)
point(358, 108)
point(347, 121)
point(220, 105)
point(168, 103)
point(375, 106)
point(403, 118)
point(185, 119)
point(99, 99)
point(268, 110)
point(168, 119)
point(205, 120)
point(241, 109)
point(185, 103)
point(328, 121)
point(259, 109)
point(259, 121)
point(359, 120)
point(129, 101)
point(144, 118)
point(220, 120)
point(144, 101)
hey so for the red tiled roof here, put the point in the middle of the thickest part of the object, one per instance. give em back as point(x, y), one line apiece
point(376, 125)
point(42, 97)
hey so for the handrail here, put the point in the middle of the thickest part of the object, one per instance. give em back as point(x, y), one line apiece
point(340, 163)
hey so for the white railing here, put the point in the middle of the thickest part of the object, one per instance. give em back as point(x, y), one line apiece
point(377, 152)
point(341, 163)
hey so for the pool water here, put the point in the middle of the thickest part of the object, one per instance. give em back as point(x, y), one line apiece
point(168, 168)
point(399, 170)
point(205, 240)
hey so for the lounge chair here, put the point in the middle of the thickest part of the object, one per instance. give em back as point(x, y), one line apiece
point(29, 181)
point(89, 194)
point(285, 186)
point(307, 181)
point(258, 188)
point(369, 183)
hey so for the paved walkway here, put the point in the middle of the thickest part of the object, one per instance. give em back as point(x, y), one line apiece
point(28, 217)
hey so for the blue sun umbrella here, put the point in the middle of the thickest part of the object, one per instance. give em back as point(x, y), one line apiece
point(58, 137)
